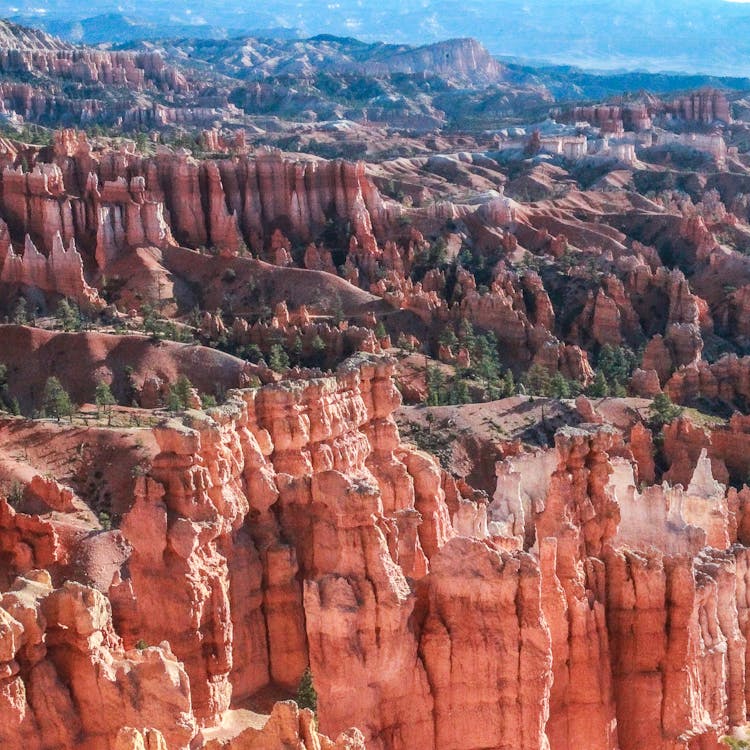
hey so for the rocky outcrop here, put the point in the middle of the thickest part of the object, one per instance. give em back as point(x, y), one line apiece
point(612, 119)
point(67, 680)
point(676, 684)
point(345, 521)
point(111, 202)
point(704, 107)
point(286, 727)
point(498, 702)
point(132, 70)
point(726, 379)
point(291, 527)
point(624, 570)
point(465, 59)
point(59, 273)
point(45, 77)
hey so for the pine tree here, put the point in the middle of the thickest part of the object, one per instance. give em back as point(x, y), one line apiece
point(183, 387)
point(306, 696)
point(179, 394)
point(5, 401)
point(278, 359)
point(104, 400)
point(151, 323)
point(20, 312)
point(297, 349)
point(599, 387)
point(448, 337)
point(508, 384)
point(537, 381)
point(68, 316)
point(57, 402)
point(459, 393)
point(663, 411)
point(559, 386)
point(173, 401)
point(319, 350)
point(435, 386)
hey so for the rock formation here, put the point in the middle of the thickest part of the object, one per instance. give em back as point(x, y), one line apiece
point(60, 273)
point(68, 680)
point(291, 526)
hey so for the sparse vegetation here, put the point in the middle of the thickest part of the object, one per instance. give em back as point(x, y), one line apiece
point(14, 494)
point(104, 400)
point(179, 395)
point(662, 411)
point(56, 401)
point(69, 316)
point(736, 743)
point(306, 696)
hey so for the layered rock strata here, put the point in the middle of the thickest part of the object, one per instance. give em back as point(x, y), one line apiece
point(292, 527)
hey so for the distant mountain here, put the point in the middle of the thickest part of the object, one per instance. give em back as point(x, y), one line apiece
point(15, 36)
point(455, 83)
point(117, 28)
point(707, 36)
point(457, 60)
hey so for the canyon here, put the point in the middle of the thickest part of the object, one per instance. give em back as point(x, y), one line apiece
point(368, 426)
point(292, 526)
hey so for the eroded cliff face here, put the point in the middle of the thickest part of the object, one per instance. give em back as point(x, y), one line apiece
point(88, 223)
point(110, 202)
point(292, 527)
point(67, 680)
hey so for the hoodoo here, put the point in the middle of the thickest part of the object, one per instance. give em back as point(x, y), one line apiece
point(368, 396)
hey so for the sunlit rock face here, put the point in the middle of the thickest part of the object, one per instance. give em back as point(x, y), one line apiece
point(293, 527)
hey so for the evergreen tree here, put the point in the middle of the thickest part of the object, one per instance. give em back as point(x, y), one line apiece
point(319, 350)
point(307, 697)
point(466, 334)
point(508, 384)
point(57, 402)
point(20, 312)
point(459, 392)
point(208, 401)
point(599, 387)
point(663, 411)
point(403, 342)
point(179, 394)
point(5, 401)
point(448, 337)
point(173, 401)
point(152, 325)
point(435, 386)
point(559, 386)
point(619, 390)
point(297, 349)
point(278, 359)
point(253, 353)
point(537, 381)
point(617, 363)
point(68, 316)
point(104, 400)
